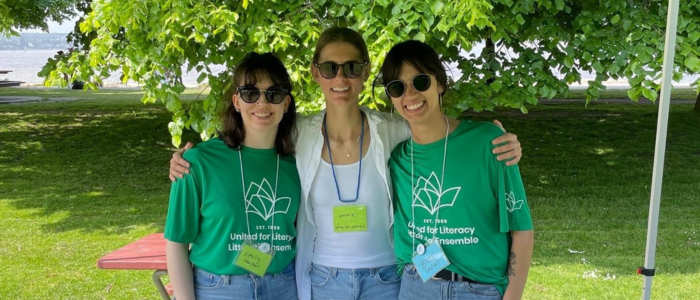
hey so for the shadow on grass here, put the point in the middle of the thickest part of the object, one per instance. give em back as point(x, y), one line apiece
point(588, 174)
point(96, 171)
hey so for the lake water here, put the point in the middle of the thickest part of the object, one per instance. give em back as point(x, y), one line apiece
point(26, 64)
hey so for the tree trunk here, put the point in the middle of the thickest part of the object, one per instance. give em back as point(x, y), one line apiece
point(490, 47)
point(697, 104)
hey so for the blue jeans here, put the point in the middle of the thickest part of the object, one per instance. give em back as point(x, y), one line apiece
point(280, 286)
point(413, 288)
point(354, 284)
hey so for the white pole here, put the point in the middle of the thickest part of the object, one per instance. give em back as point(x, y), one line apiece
point(660, 152)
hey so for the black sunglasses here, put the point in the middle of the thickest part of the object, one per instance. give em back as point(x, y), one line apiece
point(351, 69)
point(251, 94)
point(396, 88)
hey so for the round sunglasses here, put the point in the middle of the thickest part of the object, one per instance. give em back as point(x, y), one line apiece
point(251, 94)
point(351, 69)
point(396, 88)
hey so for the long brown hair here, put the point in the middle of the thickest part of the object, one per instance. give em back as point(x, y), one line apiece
point(253, 68)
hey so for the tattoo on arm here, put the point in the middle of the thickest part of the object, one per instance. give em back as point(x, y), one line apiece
point(511, 262)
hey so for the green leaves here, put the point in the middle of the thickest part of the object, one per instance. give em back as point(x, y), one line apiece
point(626, 25)
point(436, 8)
point(569, 62)
point(496, 85)
point(419, 36)
point(649, 94)
point(598, 67)
point(694, 36)
point(146, 39)
point(692, 63)
point(22, 15)
point(615, 19)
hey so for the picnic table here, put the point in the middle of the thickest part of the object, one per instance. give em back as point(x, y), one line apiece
point(148, 253)
point(7, 83)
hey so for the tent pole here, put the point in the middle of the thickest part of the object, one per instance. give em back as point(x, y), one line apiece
point(660, 151)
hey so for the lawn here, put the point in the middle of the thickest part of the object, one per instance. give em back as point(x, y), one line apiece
point(82, 178)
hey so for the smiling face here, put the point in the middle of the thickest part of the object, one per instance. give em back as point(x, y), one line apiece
point(261, 116)
point(414, 106)
point(341, 90)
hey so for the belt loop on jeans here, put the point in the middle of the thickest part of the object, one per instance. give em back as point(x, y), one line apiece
point(333, 271)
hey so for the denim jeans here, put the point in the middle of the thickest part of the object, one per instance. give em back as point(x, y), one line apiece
point(354, 284)
point(282, 286)
point(413, 288)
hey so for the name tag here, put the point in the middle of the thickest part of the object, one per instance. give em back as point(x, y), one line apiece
point(431, 261)
point(350, 218)
point(253, 260)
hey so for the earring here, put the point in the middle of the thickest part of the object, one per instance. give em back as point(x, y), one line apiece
point(440, 99)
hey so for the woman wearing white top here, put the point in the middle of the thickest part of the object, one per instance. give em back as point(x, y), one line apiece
point(344, 247)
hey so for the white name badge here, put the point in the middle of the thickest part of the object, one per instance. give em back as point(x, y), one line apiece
point(429, 260)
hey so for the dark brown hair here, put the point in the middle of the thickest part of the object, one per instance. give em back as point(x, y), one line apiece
point(253, 68)
point(338, 35)
point(417, 54)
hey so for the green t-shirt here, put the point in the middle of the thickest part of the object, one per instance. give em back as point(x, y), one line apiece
point(471, 212)
point(207, 207)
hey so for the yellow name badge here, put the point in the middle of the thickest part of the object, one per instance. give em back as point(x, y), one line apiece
point(253, 260)
point(350, 218)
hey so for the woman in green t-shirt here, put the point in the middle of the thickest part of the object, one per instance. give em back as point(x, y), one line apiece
point(230, 225)
point(462, 223)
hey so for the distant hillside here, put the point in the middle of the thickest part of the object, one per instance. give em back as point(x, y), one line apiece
point(35, 41)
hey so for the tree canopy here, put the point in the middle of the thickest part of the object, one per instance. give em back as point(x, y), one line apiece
point(33, 14)
point(527, 42)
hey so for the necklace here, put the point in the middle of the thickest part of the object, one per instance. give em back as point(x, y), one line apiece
point(347, 150)
point(359, 171)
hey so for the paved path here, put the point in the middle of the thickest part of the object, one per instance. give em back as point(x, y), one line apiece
point(620, 101)
point(30, 99)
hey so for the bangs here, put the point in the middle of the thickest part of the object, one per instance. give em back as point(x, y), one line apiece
point(259, 68)
point(416, 54)
point(252, 76)
point(393, 65)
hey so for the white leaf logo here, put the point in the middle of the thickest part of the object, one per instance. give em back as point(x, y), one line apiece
point(261, 200)
point(511, 203)
point(429, 195)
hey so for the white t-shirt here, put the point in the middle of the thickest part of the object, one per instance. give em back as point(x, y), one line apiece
point(362, 249)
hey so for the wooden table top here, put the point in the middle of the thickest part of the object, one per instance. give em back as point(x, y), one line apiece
point(148, 253)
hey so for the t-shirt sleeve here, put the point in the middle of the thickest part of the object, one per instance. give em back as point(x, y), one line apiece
point(182, 222)
point(512, 195)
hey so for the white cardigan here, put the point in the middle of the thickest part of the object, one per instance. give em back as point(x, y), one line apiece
point(386, 131)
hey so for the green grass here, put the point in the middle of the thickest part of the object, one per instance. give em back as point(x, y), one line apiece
point(587, 174)
point(82, 178)
point(612, 93)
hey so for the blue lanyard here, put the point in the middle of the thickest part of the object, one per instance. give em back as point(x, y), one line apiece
point(328, 145)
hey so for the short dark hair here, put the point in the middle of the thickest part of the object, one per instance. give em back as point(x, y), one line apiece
point(417, 54)
point(251, 69)
point(338, 35)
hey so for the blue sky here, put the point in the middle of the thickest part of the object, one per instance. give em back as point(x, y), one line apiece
point(54, 27)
